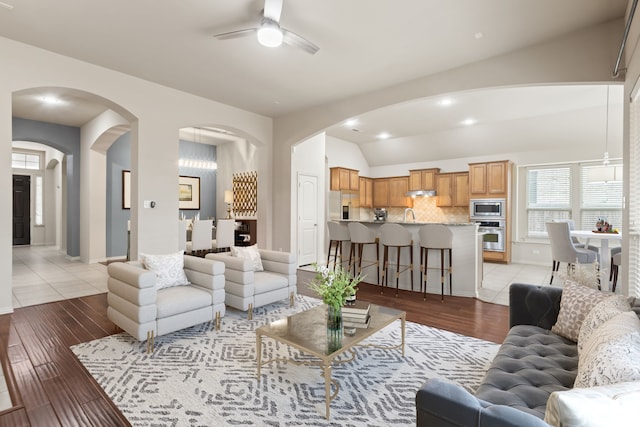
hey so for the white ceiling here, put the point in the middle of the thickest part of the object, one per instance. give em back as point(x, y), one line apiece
point(364, 45)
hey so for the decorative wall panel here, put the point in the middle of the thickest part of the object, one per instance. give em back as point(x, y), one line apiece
point(245, 193)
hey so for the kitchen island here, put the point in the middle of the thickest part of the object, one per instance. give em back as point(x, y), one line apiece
point(466, 260)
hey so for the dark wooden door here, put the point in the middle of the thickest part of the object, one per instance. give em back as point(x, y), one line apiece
point(21, 209)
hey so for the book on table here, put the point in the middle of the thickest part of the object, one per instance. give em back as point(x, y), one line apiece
point(359, 307)
point(355, 317)
point(353, 323)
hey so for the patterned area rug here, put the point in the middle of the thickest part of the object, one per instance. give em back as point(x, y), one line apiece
point(203, 377)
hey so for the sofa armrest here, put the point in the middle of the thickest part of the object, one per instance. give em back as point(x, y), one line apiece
point(205, 273)
point(533, 305)
point(443, 404)
point(278, 262)
point(132, 275)
point(231, 262)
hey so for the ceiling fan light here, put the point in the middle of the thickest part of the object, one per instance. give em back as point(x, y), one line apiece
point(270, 35)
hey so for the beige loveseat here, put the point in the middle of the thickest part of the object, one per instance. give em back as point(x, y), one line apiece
point(246, 289)
point(136, 305)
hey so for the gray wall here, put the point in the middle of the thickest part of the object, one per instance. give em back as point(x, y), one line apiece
point(119, 159)
point(67, 140)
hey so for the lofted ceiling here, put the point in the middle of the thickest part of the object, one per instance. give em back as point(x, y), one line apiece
point(364, 45)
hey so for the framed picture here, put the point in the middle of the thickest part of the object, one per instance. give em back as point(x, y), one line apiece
point(189, 192)
point(126, 189)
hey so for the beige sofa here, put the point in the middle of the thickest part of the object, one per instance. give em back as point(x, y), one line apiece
point(246, 289)
point(136, 305)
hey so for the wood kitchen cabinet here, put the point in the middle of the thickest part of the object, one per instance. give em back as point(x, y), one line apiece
point(381, 192)
point(423, 179)
point(344, 179)
point(490, 179)
point(452, 189)
point(366, 192)
point(398, 187)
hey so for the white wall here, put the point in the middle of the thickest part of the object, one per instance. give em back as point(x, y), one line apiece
point(341, 153)
point(581, 57)
point(156, 113)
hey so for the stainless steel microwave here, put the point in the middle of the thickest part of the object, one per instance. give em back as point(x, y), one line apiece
point(487, 208)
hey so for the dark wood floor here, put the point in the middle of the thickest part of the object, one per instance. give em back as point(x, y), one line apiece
point(49, 387)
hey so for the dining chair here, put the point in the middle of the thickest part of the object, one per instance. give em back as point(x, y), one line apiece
point(225, 234)
point(576, 242)
point(201, 236)
point(564, 250)
point(616, 261)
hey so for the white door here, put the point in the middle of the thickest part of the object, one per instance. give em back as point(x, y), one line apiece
point(307, 219)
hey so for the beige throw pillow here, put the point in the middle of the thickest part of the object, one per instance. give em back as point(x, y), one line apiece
point(250, 253)
point(169, 269)
point(612, 353)
point(577, 300)
point(606, 309)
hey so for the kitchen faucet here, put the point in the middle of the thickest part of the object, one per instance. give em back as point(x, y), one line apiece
point(412, 214)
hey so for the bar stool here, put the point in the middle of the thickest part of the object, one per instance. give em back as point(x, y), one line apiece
point(338, 234)
point(361, 235)
point(435, 236)
point(396, 236)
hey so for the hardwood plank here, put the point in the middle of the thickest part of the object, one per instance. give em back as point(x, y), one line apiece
point(66, 407)
point(33, 395)
point(102, 414)
point(14, 417)
point(43, 416)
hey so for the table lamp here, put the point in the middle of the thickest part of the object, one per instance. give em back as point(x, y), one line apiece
point(228, 199)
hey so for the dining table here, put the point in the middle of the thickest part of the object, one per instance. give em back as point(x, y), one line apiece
point(604, 237)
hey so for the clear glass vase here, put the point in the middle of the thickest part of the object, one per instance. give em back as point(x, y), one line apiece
point(334, 318)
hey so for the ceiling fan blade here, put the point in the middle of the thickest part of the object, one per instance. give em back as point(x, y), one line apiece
point(235, 34)
point(292, 39)
point(273, 9)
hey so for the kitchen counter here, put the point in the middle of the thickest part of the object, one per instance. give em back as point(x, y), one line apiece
point(466, 259)
point(451, 224)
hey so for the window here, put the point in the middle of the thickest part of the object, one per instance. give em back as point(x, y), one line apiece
point(39, 193)
point(548, 197)
point(583, 192)
point(25, 161)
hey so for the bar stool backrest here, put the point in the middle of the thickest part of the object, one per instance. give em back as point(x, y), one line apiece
point(338, 232)
point(360, 233)
point(435, 236)
point(394, 235)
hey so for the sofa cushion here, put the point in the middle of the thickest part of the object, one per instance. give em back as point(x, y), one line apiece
point(531, 364)
point(267, 282)
point(177, 300)
point(603, 406)
point(603, 311)
point(612, 354)
point(169, 269)
point(577, 300)
point(249, 253)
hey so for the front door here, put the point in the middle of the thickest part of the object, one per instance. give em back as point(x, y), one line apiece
point(307, 219)
point(21, 209)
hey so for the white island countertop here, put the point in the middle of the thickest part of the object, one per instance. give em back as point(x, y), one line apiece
point(466, 262)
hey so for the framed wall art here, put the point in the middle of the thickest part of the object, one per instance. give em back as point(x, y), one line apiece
point(189, 192)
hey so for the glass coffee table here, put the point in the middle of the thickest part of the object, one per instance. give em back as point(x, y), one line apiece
point(307, 331)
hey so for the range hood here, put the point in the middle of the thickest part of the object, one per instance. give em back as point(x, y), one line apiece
point(420, 193)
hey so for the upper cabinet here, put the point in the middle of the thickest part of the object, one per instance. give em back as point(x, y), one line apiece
point(381, 192)
point(423, 179)
point(452, 189)
point(489, 180)
point(366, 192)
point(391, 192)
point(344, 179)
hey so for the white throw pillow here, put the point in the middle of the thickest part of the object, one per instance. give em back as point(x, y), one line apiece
point(603, 406)
point(612, 353)
point(603, 311)
point(169, 269)
point(250, 253)
point(576, 302)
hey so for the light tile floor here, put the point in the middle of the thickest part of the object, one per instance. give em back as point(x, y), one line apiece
point(498, 277)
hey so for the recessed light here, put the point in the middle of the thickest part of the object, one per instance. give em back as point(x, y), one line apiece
point(51, 100)
point(351, 122)
point(469, 122)
point(445, 102)
point(384, 135)
point(478, 35)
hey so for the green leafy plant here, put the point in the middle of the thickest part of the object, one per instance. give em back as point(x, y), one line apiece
point(334, 286)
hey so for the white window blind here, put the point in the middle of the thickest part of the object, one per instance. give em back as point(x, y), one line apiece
point(548, 197)
point(633, 233)
point(601, 194)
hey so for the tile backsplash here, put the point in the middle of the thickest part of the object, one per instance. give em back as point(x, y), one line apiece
point(426, 211)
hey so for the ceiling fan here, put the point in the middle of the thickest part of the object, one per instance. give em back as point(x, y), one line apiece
point(270, 33)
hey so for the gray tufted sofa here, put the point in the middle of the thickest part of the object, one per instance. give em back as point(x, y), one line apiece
point(532, 363)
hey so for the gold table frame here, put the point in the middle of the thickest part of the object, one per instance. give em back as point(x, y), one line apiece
point(307, 331)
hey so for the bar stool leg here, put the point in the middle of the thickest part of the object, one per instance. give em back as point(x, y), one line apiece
point(450, 274)
point(426, 269)
point(384, 268)
point(329, 254)
point(411, 264)
point(360, 250)
point(341, 254)
point(352, 256)
point(377, 259)
point(442, 273)
point(398, 250)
